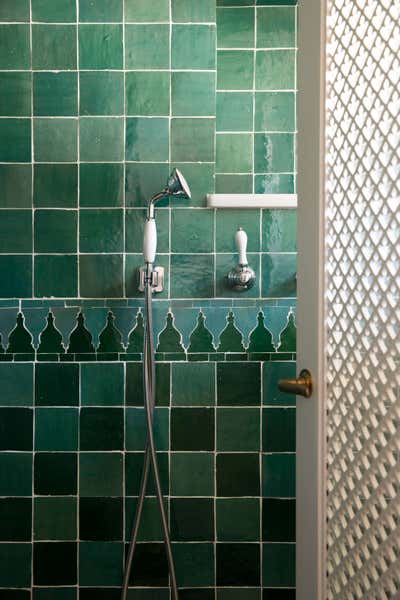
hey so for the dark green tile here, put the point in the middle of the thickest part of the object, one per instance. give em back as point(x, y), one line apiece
point(238, 564)
point(48, 11)
point(101, 429)
point(16, 186)
point(279, 430)
point(92, 466)
point(279, 520)
point(55, 186)
point(192, 11)
point(189, 55)
point(193, 94)
point(278, 475)
point(101, 185)
point(193, 384)
point(275, 70)
point(274, 184)
point(100, 46)
point(17, 384)
point(279, 275)
point(101, 519)
point(151, 567)
point(279, 230)
point(48, 279)
point(151, 526)
point(276, 27)
point(235, 69)
point(16, 276)
point(194, 564)
point(239, 386)
point(234, 111)
point(15, 47)
point(56, 429)
point(235, 28)
point(15, 99)
point(187, 283)
point(15, 140)
point(101, 276)
point(192, 519)
point(103, 11)
point(238, 519)
point(54, 47)
point(55, 518)
point(227, 224)
point(238, 474)
point(233, 184)
point(56, 473)
point(56, 385)
point(66, 593)
point(102, 385)
point(200, 422)
point(54, 563)
point(238, 429)
point(15, 519)
point(55, 140)
point(101, 93)
point(101, 139)
point(279, 565)
point(279, 594)
point(192, 474)
point(135, 429)
point(55, 231)
point(147, 46)
point(274, 111)
point(184, 131)
point(100, 563)
point(133, 473)
point(147, 139)
point(234, 153)
point(238, 593)
point(16, 231)
point(134, 222)
point(16, 474)
point(55, 94)
point(143, 181)
point(16, 429)
point(192, 235)
point(15, 565)
point(14, 10)
point(101, 230)
point(273, 152)
point(142, 10)
point(201, 181)
point(272, 372)
point(147, 93)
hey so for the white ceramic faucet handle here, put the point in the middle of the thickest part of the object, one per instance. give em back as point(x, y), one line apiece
point(150, 241)
point(241, 242)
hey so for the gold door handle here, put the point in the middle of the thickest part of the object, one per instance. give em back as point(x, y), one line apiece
point(302, 386)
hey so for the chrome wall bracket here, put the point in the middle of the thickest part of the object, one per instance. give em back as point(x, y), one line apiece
point(157, 279)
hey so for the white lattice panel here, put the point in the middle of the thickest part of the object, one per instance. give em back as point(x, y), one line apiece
point(362, 299)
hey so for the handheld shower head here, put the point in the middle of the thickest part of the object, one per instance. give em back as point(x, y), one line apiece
point(176, 186)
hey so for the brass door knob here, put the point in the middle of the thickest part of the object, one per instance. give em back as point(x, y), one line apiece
point(301, 386)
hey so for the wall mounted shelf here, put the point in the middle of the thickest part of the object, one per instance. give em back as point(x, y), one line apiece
point(252, 200)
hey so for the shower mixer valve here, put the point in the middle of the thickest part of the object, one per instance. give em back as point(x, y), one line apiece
point(242, 277)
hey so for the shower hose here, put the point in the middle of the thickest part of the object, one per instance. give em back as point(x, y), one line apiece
point(150, 454)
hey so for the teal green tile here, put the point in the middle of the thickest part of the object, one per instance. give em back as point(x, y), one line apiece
point(56, 275)
point(133, 472)
point(15, 140)
point(279, 272)
point(101, 275)
point(93, 466)
point(279, 230)
point(16, 474)
point(135, 429)
point(276, 27)
point(227, 224)
point(55, 231)
point(234, 111)
point(192, 11)
point(56, 429)
point(55, 94)
point(101, 185)
point(272, 372)
point(16, 186)
point(142, 10)
point(238, 519)
point(279, 430)
point(201, 181)
point(238, 429)
point(192, 235)
point(192, 474)
point(148, 93)
point(100, 46)
point(147, 139)
point(143, 181)
point(275, 70)
point(235, 69)
point(187, 54)
point(100, 563)
point(274, 111)
point(134, 223)
point(274, 184)
point(132, 263)
point(147, 46)
point(55, 140)
point(17, 384)
point(15, 47)
point(224, 264)
point(48, 11)
point(184, 131)
point(273, 152)
point(101, 230)
point(187, 282)
point(15, 99)
point(279, 565)
point(103, 11)
point(101, 93)
point(193, 94)
point(14, 10)
point(233, 184)
point(101, 139)
point(15, 565)
point(55, 186)
point(16, 276)
point(235, 27)
point(279, 475)
point(16, 231)
point(54, 47)
point(194, 564)
point(193, 384)
point(234, 153)
point(55, 518)
point(102, 384)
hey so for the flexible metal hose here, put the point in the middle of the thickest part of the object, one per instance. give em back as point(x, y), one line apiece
point(150, 454)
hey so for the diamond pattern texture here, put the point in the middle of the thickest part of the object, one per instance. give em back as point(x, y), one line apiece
point(362, 294)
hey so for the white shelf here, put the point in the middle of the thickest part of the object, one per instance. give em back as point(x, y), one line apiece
point(252, 200)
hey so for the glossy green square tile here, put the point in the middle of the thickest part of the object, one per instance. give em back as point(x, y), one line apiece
point(101, 139)
point(200, 422)
point(274, 184)
point(235, 27)
point(224, 264)
point(16, 519)
point(101, 93)
point(101, 428)
point(233, 184)
point(238, 564)
point(278, 475)
point(279, 520)
point(238, 519)
point(147, 93)
point(16, 186)
point(275, 70)
point(189, 55)
point(184, 131)
point(14, 10)
point(55, 140)
point(279, 230)
point(100, 47)
point(16, 474)
point(273, 152)
point(234, 111)
point(189, 283)
point(100, 563)
point(150, 529)
point(15, 565)
point(55, 563)
point(279, 430)
point(192, 519)
point(48, 280)
point(17, 384)
point(66, 593)
point(102, 385)
point(192, 11)
point(15, 140)
point(101, 275)
point(16, 275)
point(194, 564)
point(55, 231)
point(238, 429)
point(55, 94)
point(238, 386)
point(238, 593)
point(134, 222)
point(101, 230)
point(56, 429)
point(54, 47)
point(135, 429)
point(132, 264)
point(144, 180)
point(201, 181)
point(16, 92)
point(56, 385)
point(192, 474)
point(142, 10)
point(15, 47)
point(279, 272)
point(16, 231)
point(48, 11)
point(193, 94)
point(133, 473)
point(193, 384)
point(147, 139)
point(279, 565)
point(272, 372)
point(274, 111)
point(147, 46)
point(55, 186)
point(55, 473)
point(227, 224)
point(92, 466)
point(17, 427)
point(103, 11)
point(276, 27)
point(192, 235)
point(101, 185)
point(234, 153)
point(55, 518)
point(238, 474)
point(235, 69)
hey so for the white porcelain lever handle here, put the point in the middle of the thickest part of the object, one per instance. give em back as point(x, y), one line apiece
point(241, 242)
point(150, 241)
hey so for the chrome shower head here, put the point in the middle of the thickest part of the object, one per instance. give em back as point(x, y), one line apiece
point(176, 186)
